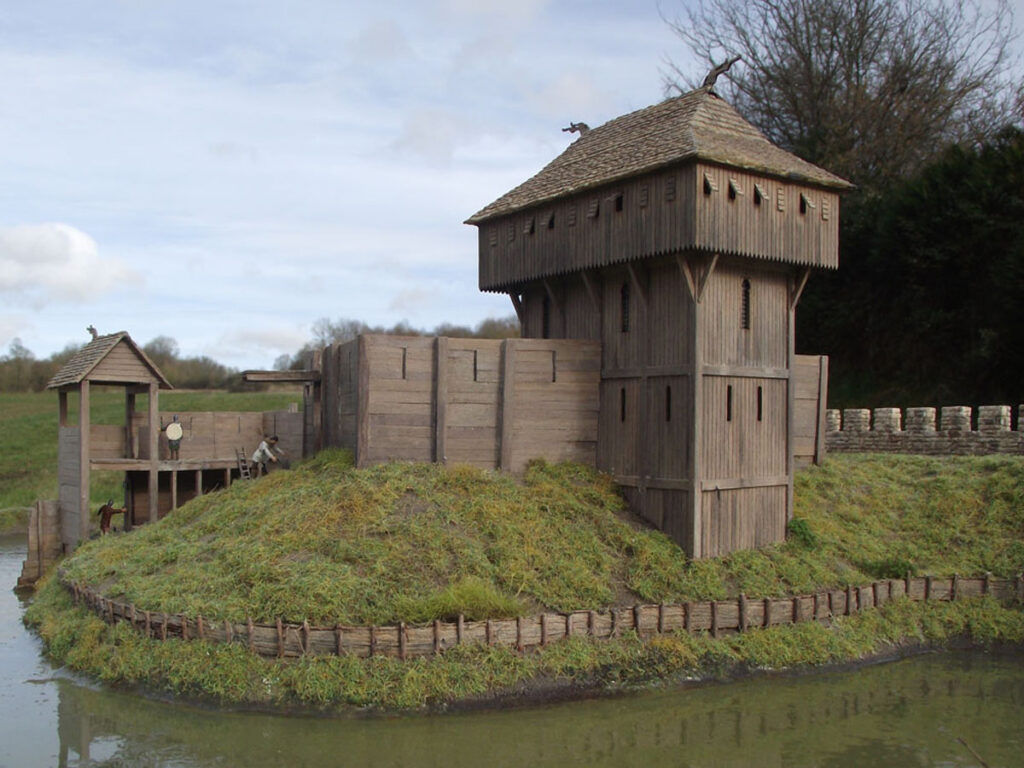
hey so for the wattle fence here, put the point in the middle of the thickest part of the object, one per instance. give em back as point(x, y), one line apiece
point(290, 640)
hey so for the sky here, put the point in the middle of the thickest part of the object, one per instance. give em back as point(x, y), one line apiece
point(227, 173)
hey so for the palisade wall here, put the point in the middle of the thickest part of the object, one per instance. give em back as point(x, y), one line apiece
point(289, 639)
point(916, 430)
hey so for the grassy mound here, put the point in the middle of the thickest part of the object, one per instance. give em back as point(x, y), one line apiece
point(415, 542)
point(398, 542)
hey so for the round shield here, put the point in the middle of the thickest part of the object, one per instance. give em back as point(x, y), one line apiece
point(174, 431)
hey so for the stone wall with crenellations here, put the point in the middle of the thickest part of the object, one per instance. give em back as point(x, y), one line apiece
point(934, 431)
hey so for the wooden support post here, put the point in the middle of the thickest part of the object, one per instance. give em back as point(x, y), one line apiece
point(714, 618)
point(199, 483)
point(174, 489)
point(743, 612)
point(441, 400)
point(508, 372)
point(154, 450)
point(460, 624)
point(84, 427)
point(339, 643)
point(401, 640)
point(955, 588)
point(543, 629)
point(790, 409)
point(362, 406)
point(767, 621)
point(517, 304)
point(819, 440)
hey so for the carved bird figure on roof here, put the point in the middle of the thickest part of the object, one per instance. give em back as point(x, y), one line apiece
point(721, 69)
point(579, 128)
point(92, 331)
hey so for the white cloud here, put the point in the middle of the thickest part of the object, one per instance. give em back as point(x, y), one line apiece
point(260, 343)
point(44, 263)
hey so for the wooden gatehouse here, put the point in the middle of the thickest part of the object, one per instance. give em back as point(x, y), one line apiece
point(680, 239)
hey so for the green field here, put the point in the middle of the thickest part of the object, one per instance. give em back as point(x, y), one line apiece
point(28, 436)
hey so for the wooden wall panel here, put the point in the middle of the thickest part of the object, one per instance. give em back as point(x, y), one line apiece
point(724, 340)
point(106, 441)
point(669, 511)
point(668, 317)
point(121, 364)
point(743, 447)
point(663, 212)
point(620, 428)
point(664, 442)
point(656, 217)
point(740, 226)
point(742, 518)
point(810, 399)
point(624, 349)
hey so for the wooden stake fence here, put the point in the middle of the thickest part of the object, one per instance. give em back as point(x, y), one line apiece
point(290, 640)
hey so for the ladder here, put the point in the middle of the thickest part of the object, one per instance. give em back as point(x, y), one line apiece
point(243, 465)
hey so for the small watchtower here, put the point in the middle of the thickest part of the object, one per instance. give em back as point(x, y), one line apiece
point(110, 360)
point(680, 238)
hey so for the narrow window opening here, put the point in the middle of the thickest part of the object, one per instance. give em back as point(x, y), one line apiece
point(708, 189)
point(554, 365)
point(475, 369)
point(625, 307)
point(405, 351)
point(511, 232)
point(734, 189)
point(570, 217)
point(732, 192)
point(668, 403)
point(758, 194)
point(728, 403)
point(551, 220)
point(803, 204)
point(745, 307)
point(530, 226)
point(622, 404)
point(618, 203)
point(760, 403)
point(594, 210)
point(643, 196)
point(545, 319)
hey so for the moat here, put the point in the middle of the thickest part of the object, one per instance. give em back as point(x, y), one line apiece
point(909, 713)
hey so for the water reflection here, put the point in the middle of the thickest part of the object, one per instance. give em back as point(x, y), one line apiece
point(908, 713)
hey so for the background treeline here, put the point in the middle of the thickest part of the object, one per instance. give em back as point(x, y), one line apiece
point(327, 331)
point(920, 103)
point(21, 371)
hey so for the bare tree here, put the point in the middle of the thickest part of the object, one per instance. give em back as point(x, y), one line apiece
point(866, 88)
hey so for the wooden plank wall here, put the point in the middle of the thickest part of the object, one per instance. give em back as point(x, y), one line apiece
point(68, 481)
point(106, 441)
point(288, 426)
point(489, 403)
point(207, 435)
point(811, 398)
point(663, 212)
point(775, 229)
point(120, 365)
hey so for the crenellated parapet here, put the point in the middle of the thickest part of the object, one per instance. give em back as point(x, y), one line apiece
point(951, 430)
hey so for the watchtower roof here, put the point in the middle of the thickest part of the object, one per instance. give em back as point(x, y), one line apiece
point(89, 358)
point(695, 126)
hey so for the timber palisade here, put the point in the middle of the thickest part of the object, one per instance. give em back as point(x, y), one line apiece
point(404, 641)
point(679, 239)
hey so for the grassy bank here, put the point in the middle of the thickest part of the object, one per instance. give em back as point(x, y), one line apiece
point(402, 542)
point(28, 435)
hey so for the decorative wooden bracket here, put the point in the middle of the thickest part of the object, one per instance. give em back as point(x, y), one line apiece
point(517, 303)
point(796, 287)
point(636, 283)
point(696, 276)
point(588, 283)
point(551, 295)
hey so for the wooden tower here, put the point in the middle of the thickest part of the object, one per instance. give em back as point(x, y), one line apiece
point(680, 238)
point(110, 360)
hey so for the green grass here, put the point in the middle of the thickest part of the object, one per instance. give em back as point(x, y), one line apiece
point(28, 435)
point(413, 542)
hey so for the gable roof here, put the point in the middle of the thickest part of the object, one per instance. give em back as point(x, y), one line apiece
point(695, 126)
point(85, 360)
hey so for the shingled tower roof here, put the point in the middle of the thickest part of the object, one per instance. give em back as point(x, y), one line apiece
point(695, 126)
point(85, 361)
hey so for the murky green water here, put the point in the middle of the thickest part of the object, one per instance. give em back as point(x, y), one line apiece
point(908, 713)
